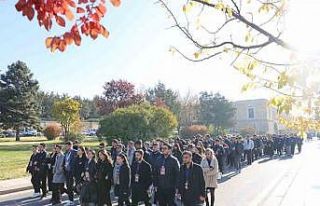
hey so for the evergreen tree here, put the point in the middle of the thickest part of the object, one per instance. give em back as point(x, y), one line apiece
point(19, 107)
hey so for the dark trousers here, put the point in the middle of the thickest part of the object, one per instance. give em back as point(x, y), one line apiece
point(123, 199)
point(220, 163)
point(212, 198)
point(70, 184)
point(41, 182)
point(166, 197)
point(50, 184)
point(56, 192)
point(248, 154)
point(293, 148)
point(35, 183)
point(237, 162)
point(138, 196)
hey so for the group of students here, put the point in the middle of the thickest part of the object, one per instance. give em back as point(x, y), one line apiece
point(157, 172)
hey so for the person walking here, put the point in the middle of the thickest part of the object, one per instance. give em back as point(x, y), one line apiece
point(141, 179)
point(88, 193)
point(31, 169)
point(191, 183)
point(121, 179)
point(69, 160)
point(51, 159)
point(104, 178)
point(248, 146)
point(58, 177)
point(210, 172)
point(166, 176)
point(238, 151)
point(79, 167)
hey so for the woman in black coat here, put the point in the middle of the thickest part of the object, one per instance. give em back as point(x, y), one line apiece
point(88, 193)
point(121, 179)
point(79, 167)
point(104, 177)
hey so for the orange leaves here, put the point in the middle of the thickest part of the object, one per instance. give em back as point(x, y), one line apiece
point(80, 10)
point(84, 15)
point(116, 2)
point(60, 21)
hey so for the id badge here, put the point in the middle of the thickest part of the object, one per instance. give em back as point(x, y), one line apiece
point(136, 178)
point(49, 166)
point(107, 177)
point(87, 175)
point(162, 170)
point(186, 185)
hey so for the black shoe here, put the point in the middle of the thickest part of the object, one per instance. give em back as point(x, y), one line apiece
point(43, 196)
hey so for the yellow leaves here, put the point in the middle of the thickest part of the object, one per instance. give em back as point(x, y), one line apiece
point(172, 50)
point(220, 5)
point(229, 11)
point(282, 103)
point(248, 37)
point(187, 7)
point(196, 55)
point(248, 86)
point(282, 80)
point(265, 8)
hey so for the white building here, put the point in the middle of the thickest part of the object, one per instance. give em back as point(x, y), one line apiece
point(256, 115)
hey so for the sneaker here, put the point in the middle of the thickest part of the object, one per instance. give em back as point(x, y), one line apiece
point(37, 194)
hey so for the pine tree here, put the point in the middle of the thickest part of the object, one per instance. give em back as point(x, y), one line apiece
point(18, 99)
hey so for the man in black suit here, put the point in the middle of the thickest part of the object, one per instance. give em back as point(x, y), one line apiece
point(191, 185)
point(69, 165)
point(42, 169)
point(141, 179)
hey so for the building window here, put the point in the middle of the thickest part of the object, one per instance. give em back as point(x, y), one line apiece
point(251, 113)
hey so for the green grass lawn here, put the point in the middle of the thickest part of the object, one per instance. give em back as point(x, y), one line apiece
point(14, 156)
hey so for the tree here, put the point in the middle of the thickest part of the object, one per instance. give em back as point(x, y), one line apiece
point(85, 19)
point(67, 113)
point(249, 34)
point(162, 94)
point(189, 113)
point(46, 103)
point(18, 99)
point(191, 131)
point(117, 94)
point(217, 111)
point(138, 122)
point(88, 108)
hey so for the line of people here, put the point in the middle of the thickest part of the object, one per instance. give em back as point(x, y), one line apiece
point(157, 172)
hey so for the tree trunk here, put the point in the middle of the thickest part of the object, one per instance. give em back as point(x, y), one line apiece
point(17, 134)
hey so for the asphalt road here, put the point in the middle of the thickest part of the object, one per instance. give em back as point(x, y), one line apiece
point(277, 182)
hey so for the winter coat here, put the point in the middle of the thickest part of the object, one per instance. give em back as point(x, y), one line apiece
point(210, 172)
point(58, 171)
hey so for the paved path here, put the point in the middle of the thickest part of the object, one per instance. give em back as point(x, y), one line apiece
point(278, 182)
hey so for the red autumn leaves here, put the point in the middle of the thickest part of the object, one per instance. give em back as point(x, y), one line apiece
point(85, 17)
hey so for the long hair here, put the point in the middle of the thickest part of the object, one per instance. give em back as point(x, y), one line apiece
point(83, 149)
point(125, 160)
point(106, 154)
point(93, 153)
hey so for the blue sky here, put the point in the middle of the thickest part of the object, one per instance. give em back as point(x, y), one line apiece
point(137, 50)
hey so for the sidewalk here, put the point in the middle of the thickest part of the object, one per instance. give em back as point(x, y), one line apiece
point(15, 185)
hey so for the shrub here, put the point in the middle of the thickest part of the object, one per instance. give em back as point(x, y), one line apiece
point(52, 131)
point(190, 131)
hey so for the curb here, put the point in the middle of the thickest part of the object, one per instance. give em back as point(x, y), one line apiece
point(5, 192)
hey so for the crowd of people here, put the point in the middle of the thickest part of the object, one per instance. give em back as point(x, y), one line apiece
point(155, 173)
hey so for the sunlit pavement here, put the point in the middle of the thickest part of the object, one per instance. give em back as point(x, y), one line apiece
point(277, 182)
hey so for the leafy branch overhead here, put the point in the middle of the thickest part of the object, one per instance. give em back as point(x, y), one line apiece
point(85, 18)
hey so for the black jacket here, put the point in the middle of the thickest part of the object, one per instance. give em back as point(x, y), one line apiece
point(104, 175)
point(170, 178)
point(143, 170)
point(124, 178)
point(196, 184)
point(91, 168)
point(41, 163)
point(79, 167)
point(30, 166)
